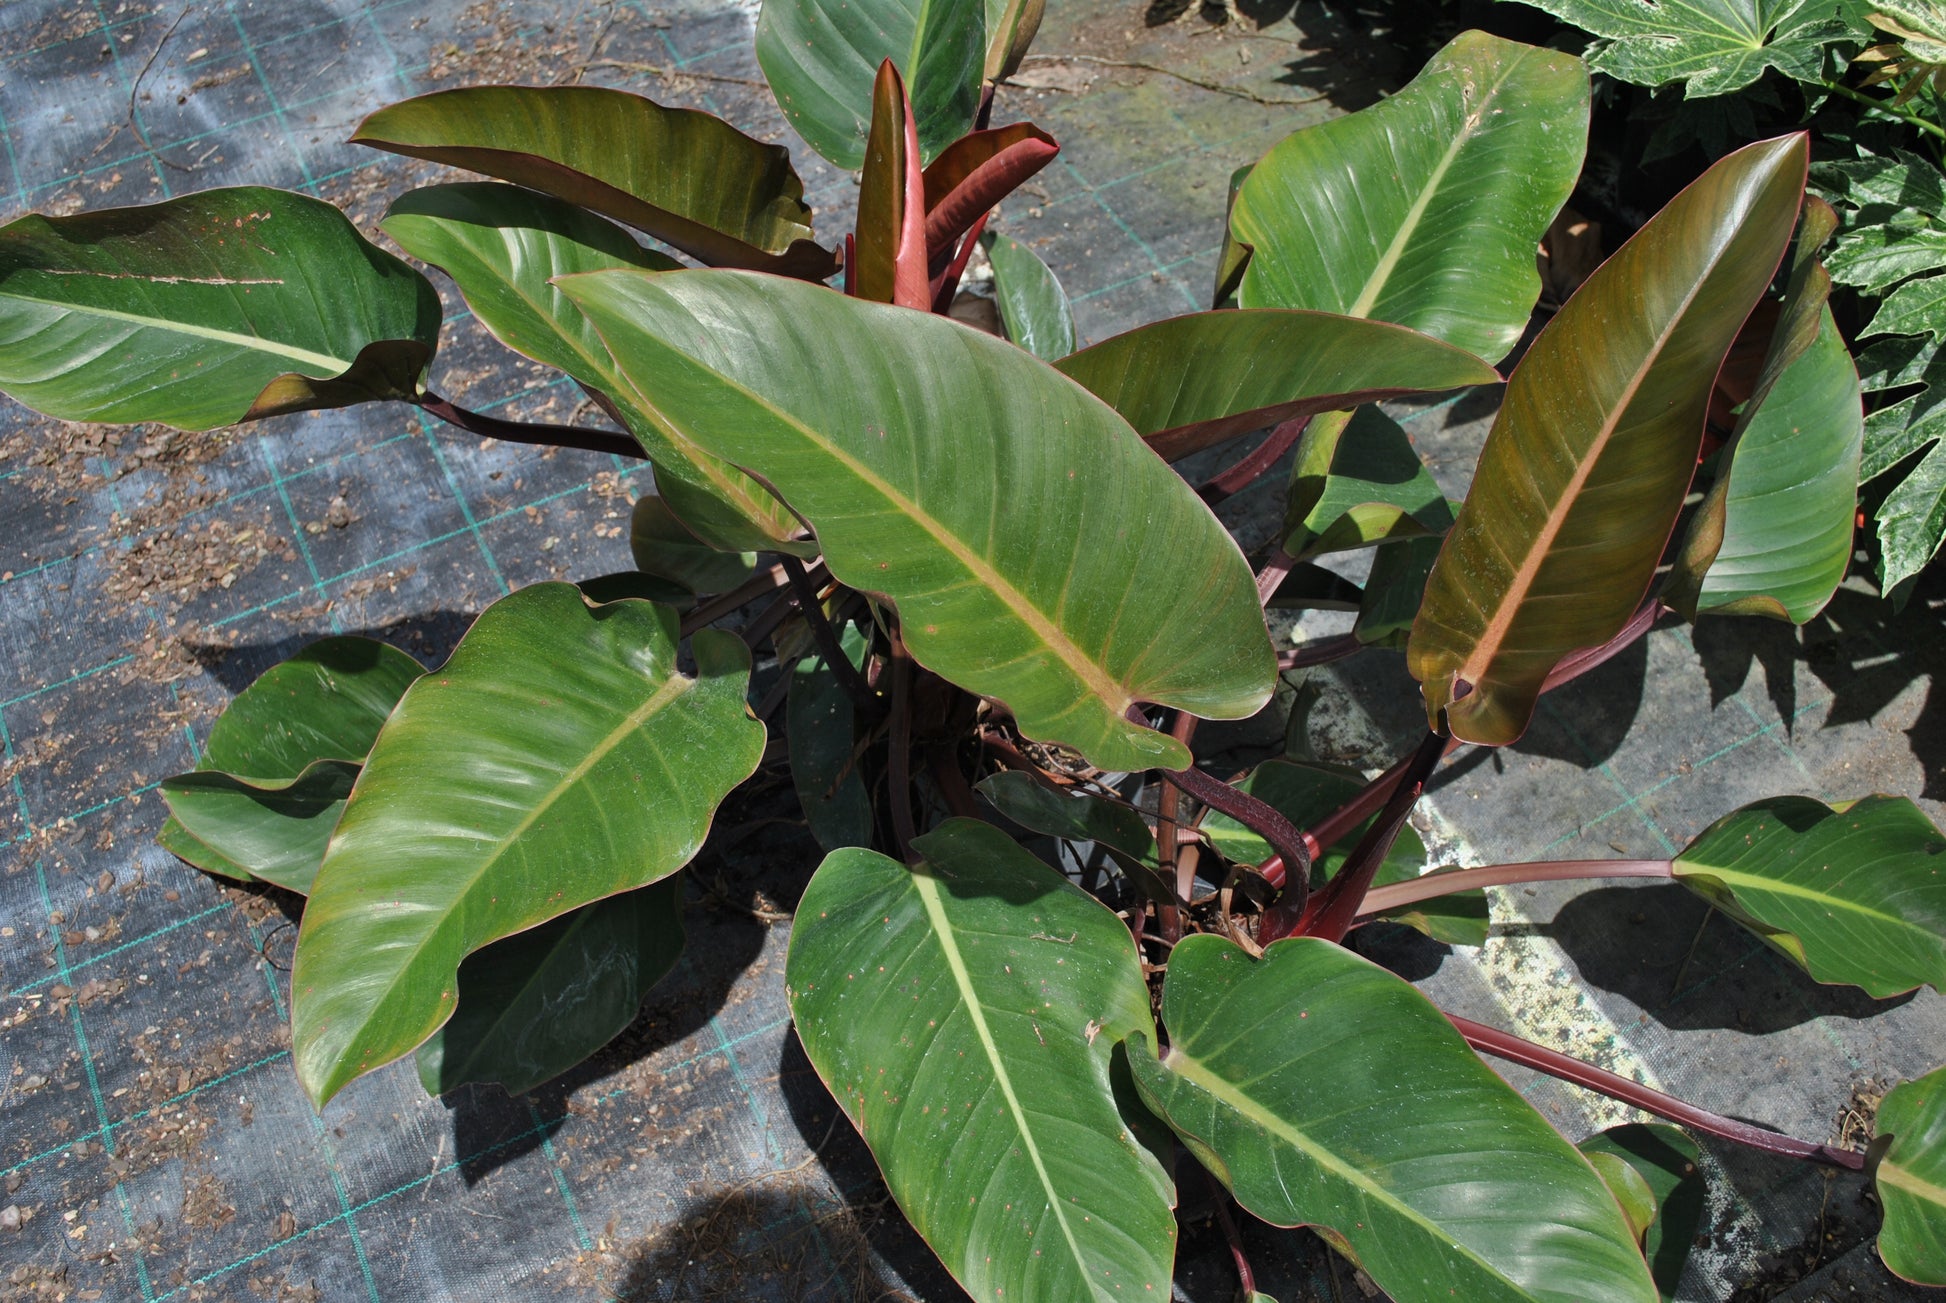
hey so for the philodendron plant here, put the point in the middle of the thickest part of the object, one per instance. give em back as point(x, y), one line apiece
point(955, 582)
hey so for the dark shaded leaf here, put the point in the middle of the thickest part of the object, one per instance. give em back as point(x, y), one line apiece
point(824, 749)
point(1666, 1160)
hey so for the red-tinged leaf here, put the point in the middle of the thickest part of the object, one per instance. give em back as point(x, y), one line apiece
point(976, 172)
point(891, 244)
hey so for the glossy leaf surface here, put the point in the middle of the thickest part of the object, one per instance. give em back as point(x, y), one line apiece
point(1074, 816)
point(1666, 1160)
point(970, 484)
point(684, 176)
point(821, 731)
point(662, 545)
point(819, 57)
point(568, 760)
point(965, 1013)
point(1587, 463)
point(1304, 793)
point(1426, 208)
point(1911, 1179)
point(1431, 1172)
point(1011, 25)
point(206, 310)
point(976, 172)
point(1851, 893)
point(503, 246)
point(274, 832)
point(537, 1003)
point(1711, 46)
point(1033, 306)
point(1189, 382)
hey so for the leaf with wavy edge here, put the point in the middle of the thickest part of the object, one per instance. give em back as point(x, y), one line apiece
point(965, 1012)
point(1852, 893)
point(1357, 481)
point(994, 502)
point(1426, 208)
point(1585, 469)
point(274, 832)
point(503, 246)
point(218, 307)
point(537, 1003)
point(1191, 382)
point(686, 177)
point(819, 56)
point(1418, 1162)
point(557, 758)
point(1911, 1179)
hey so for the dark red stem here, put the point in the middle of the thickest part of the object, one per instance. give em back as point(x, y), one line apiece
point(829, 646)
point(1505, 1045)
point(763, 582)
point(1334, 827)
point(555, 436)
point(1445, 882)
point(1262, 458)
point(1334, 908)
point(1320, 651)
point(1272, 575)
point(1258, 817)
point(942, 298)
point(1575, 664)
point(1246, 1278)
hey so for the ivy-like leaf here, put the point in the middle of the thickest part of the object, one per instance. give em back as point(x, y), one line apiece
point(1712, 47)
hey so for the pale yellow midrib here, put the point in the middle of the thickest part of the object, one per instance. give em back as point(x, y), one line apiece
point(927, 888)
point(331, 366)
point(1918, 1186)
point(1733, 878)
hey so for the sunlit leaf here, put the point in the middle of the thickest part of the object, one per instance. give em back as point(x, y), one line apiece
point(1911, 1179)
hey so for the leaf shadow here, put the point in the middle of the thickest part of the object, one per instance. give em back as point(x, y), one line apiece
point(1691, 968)
point(428, 637)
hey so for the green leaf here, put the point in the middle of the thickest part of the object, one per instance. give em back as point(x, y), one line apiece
point(1912, 519)
point(1357, 481)
point(969, 483)
point(1418, 1162)
point(1011, 26)
point(662, 545)
point(1917, 307)
point(503, 246)
point(262, 801)
point(1665, 1160)
point(1712, 46)
point(824, 749)
point(1305, 793)
point(534, 1005)
point(965, 1012)
point(1426, 208)
point(1187, 383)
point(1876, 257)
point(819, 55)
point(1234, 257)
point(1630, 1189)
point(1773, 534)
point(684, 176)
point(1911, 1179)
point(1396, 587)
point(1850, 893)
point(1586, 466)
point(889, 256)
point(218, 307)
point(1033, 306)
point(274, 832)
point(567, 759)
point(1076, 816)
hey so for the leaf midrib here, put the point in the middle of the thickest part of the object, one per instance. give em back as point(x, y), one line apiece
point(331, 366)
point(1185, 1065)
point(1918, 1187)
point(926, 886)
point(1757, 884)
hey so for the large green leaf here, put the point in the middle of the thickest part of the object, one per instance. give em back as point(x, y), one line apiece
point(503, 246)
point(1911, 1179)
point(1712, 46)
point(821, 731)
point(1074, 816)
point(202, 311)
point(1426, 208)
point(1033, 306)
point(539, 1002)
point(1358, 481)
point(280, 760)
point(1586, 466)
point(1324, 1091)
point(1850, 893)
point(1666, 1161)
point(557, 758)
point(684, 176)
point(1036, 550)
point(1186, 383)
point(965, 1012)
point(1773, 534)
point(274, 832)
point(1304, 793)
point(819, 57)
